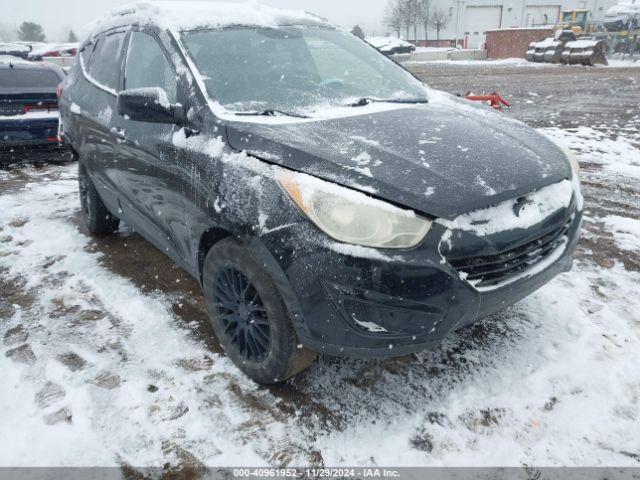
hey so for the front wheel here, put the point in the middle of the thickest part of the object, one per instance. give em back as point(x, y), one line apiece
point(98, 219)
point(249, 317)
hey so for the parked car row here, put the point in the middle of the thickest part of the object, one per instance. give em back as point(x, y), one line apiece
point(15, 49)
point(29, 115)
point(62, 54)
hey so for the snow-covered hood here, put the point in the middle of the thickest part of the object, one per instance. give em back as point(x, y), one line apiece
point(622, 9)
point(443, 158)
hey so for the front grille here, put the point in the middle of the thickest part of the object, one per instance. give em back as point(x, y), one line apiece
point(491, 271)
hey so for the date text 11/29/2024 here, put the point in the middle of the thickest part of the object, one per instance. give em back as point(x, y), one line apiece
point(315, 473)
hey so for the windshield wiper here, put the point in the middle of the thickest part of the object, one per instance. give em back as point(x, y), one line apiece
point(364, 101)
point(270, 112)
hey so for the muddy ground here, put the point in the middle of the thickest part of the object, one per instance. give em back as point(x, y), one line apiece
point(337, 399)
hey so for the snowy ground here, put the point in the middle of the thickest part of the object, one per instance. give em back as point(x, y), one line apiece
point(107, 359)
point(522, 63)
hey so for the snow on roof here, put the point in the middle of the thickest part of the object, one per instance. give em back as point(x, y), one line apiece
point(535, 27)
point(179, 15)
point(548, 42)
point(622, 9)
point(49, 47)
point(13, 47)
point(582, 44)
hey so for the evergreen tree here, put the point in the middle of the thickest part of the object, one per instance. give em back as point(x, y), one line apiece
point(31, 32)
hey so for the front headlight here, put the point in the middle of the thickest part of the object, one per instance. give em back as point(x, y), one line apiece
point(575, 167)
point(573, 161)
point(352, 217)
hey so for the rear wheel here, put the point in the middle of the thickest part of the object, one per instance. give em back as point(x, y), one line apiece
point(249, 316)
point(98, 219)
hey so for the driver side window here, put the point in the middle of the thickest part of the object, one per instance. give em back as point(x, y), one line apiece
point(147, 66)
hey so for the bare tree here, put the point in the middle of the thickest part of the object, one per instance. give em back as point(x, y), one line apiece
point(425, 16)
point(393, 16)
point(410, 16)
point(438, 20)
point(405, 15)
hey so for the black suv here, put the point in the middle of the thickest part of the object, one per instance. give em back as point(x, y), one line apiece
point(326, 199)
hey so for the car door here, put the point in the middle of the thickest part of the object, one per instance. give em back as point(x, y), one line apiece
point(94, 105)
point(151, 176)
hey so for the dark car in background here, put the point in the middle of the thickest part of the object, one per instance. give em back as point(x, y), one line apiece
point(391, 45)
point(29, 116)
point(326, 200)
point(14, 49)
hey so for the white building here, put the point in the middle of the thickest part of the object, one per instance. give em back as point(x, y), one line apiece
point(469, 19)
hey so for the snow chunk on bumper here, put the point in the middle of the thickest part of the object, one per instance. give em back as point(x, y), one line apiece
point(523, 212)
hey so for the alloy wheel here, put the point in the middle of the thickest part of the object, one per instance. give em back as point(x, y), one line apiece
point(243, 315)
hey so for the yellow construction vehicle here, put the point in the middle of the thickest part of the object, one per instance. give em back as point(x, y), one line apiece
point(577, 20)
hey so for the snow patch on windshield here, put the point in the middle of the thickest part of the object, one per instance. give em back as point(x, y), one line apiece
point(536, 207)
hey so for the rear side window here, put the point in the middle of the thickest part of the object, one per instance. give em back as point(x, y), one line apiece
point(147, 66)
point(85, 54)
point(105, 63)
point(31, 78)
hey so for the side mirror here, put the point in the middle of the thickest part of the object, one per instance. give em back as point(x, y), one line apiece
point(149, 105)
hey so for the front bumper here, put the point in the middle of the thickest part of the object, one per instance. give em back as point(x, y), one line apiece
point(350, 301)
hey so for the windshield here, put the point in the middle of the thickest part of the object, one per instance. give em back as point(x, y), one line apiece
point(295, 69)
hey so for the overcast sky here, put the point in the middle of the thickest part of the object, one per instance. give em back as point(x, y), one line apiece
point(58, 16)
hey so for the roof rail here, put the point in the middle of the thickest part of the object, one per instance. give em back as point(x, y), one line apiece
point(130, 9)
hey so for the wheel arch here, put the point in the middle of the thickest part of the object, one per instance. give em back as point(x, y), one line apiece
point(208, 239)
point(214, 235)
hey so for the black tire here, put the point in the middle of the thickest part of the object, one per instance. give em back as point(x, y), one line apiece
point(98, 219)
point(249, 317)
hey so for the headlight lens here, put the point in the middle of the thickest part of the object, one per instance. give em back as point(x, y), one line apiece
point(573, 161)
point(352, 217)
point(575, 167)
